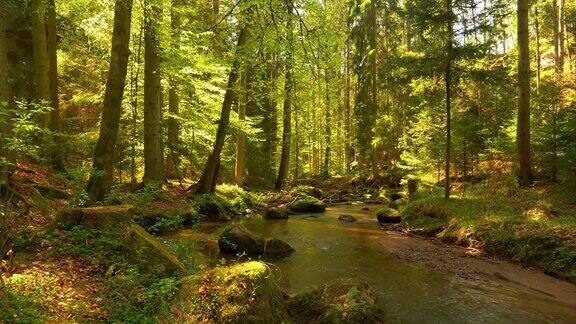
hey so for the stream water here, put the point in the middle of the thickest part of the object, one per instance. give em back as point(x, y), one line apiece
point(410, 292)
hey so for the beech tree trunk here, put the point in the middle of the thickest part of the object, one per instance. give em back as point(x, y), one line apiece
point(348, 154)
point(40, 62)
point(208, 178)
point(57, 145)
point(523, 126)
point(287, 107)
point(153, 153)
point(241, 137)
point(103, 165)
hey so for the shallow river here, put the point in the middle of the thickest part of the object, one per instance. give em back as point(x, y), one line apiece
point(410, 292)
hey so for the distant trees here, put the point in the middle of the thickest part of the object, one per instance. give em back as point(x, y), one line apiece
point(104, 154)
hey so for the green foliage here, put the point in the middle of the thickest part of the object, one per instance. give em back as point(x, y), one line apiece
point(307, 190)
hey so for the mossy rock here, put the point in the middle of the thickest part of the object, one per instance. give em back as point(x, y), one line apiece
point(211, 207)
point(119, 216)
point(241, 293)
point(388, 215)
point(344, 300)
point(160, 221)
point(147, 249)
point(238, 239)
point(275, 213)
point(308, 191)
point(51, 192)
point(307, 204)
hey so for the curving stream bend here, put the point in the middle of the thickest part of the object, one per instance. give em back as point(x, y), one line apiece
point(418, 280)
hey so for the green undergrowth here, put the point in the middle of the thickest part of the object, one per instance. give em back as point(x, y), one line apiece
point(533, 226)
point(129, 289)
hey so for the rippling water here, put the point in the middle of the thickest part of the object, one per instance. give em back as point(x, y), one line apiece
point(410, 292)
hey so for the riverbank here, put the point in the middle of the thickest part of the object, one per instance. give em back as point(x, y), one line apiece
point(530, 226)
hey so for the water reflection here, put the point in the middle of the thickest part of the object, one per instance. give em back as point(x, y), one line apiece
point(328, 249)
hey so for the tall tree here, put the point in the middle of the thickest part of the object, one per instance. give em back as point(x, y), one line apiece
point(55, 125)
point(523, 125)
point(287, 106)
point(41, 61)
point(207, 181)
point(153, 152)
point(173, 160)
point(241, 136)
point(103, 164)
point(6, 156)
point(448, 82)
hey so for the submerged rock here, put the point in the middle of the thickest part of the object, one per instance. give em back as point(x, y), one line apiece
point(241, 293)
point(119, 216)
point(307, 204)
point(275, 213)
point(388, 215)
point(276, 247)
point(347, 218)
point(238, 239)
point(344, 300)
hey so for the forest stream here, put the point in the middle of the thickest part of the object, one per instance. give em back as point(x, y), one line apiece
point(418, 280)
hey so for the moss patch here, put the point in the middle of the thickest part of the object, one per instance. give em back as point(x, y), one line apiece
point(241, 293)
point(306, 204)
point(533, 226)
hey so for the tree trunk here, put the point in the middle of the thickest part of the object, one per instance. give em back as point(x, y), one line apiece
point(41, 61)
point(5, 102)
point(448, 81)
point(347, 129)
point(538, 53)
point(134, 88)
point(153, 155)
point(556, 36)
point(173, 163)
point(523, 126)
point(208, 178)
point(287, 109)
point(57, 145)
point(374, 66)
point(103, 165)
point(327, 131)
point(240, 147)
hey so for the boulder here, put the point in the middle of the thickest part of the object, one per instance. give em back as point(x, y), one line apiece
point(275, 213)
point(211, 207)
point(347, 218)
point(395, 195)
point(276, 247)
point(119, 216)
point(308, 191)
point(388, 215)
point(241, 293)
point(238, 239)
point(146, 249)
point(307, 204)
point(344, 300)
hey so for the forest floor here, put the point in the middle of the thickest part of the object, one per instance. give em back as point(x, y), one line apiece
point(71, 276)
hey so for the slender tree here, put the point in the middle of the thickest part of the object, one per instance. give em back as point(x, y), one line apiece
point(103, 164)
point(241, 136)
point(173, 160)
point(523, 126)
point(55, 125)
point(41, 61)
point(207, 181)
point(153, 155)
point(287, 107)
point(448, 82)
point(6, 156)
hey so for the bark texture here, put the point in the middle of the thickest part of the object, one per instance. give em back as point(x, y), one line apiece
point(523, 126)
point(103, 164)
point(153, 153)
